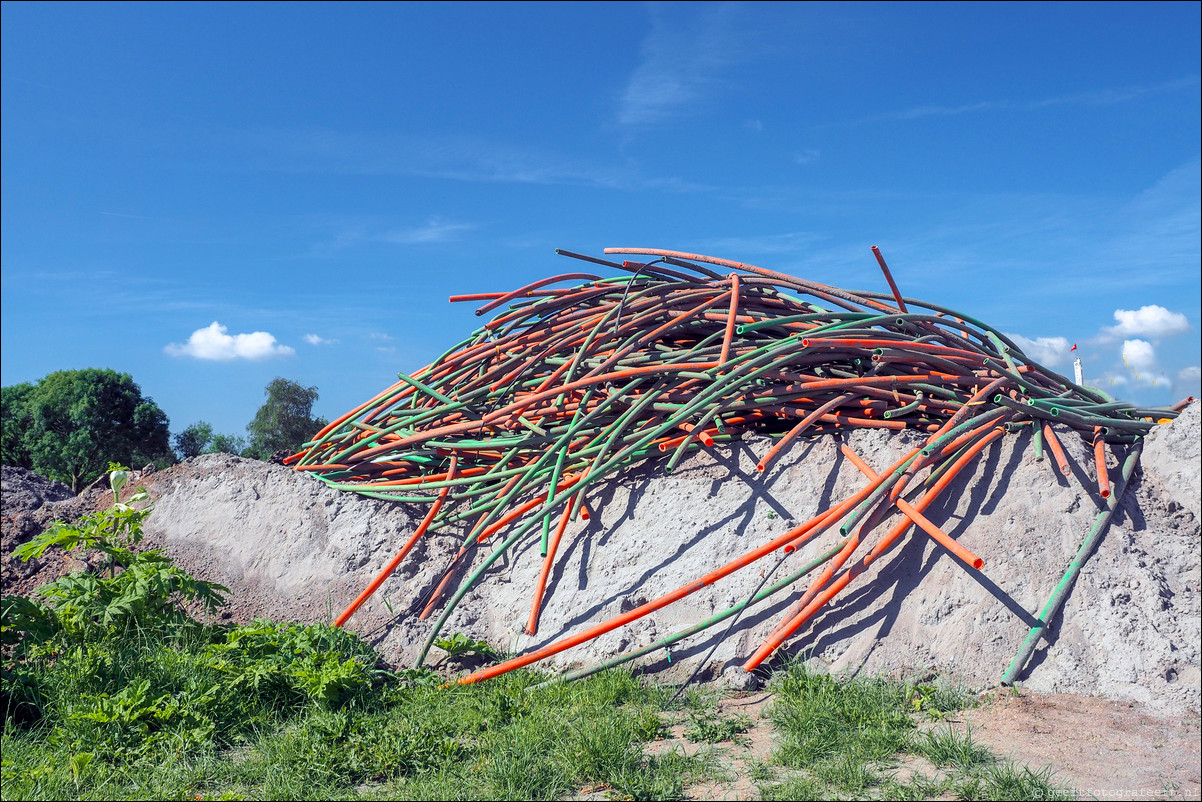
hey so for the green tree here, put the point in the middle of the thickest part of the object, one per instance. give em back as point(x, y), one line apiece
point(15, 424)
point(226, 444)
point(285, 421)
point(79, 420)
point(194, 440)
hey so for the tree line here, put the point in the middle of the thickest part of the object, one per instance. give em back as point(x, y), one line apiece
point(70, 424)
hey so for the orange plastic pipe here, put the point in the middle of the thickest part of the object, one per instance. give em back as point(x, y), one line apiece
point(400, 555)
point(521, 291)
point(792, 434)
point(655, 604)
point(783, 634)
point(815, 587)
point(506, 411)
point(509, 518)
point(941, 537)
point(541, 586)
point(730, 321)
point(818, 524)
point(889, 278)
point(1057, 451)
point(1099, 458)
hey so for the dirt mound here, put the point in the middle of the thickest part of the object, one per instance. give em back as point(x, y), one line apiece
point(29, 504)
point(289, 547)
point(1171, 458)
point(25, 490)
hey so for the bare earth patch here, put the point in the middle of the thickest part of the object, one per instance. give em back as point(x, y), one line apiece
point(1103, 749)
point(1100, 749)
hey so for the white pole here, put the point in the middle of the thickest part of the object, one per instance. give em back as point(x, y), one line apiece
point(1077, 371)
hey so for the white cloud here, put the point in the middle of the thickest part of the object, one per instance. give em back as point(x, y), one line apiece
point(434, 231)
point(1140, 358)
point(213, 343)
point(1148, 321)
point(315, 339)
point(1139, 354)
point(1049, 351)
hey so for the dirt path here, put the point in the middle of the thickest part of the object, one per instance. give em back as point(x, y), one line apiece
point(1101, 749)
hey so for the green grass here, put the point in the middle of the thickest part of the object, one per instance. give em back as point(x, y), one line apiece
point(488, 741)
point(1011, 781)
point(845, 737)
point(111, 690)
point(947, 747)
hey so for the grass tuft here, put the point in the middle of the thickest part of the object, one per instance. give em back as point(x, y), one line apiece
point(947, 746)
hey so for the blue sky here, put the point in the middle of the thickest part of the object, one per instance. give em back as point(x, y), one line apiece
point(315, 180)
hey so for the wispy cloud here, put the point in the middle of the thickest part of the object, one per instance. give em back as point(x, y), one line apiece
point(791, 242)
point(213, 343)
point(316, 339)
point(1084, 246)
point(435, 230)
point(337, 233)
point(681, 60)
point(127, 216)
point(1155, 236)
point(1114, 95)
point(1189, 381)
point(1098, 97)
point(328, 151)
point(807, 156)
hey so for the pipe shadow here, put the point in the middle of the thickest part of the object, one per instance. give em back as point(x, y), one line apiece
point(738, 519)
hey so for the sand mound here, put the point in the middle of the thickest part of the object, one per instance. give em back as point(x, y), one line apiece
point(289, 547)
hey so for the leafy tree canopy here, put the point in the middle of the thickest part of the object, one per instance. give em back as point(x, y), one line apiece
point(15, 422)
point(72, 423)
point(227, 444)
point(285, 421)
point(199, 438)
point(194, 440)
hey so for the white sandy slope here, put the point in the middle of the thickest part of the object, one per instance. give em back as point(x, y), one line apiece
point(289, 547)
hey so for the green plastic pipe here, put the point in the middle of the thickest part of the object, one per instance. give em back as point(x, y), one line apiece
point(1060, 593)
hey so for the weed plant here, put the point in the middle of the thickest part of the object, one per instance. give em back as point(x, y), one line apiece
point(712, 729)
